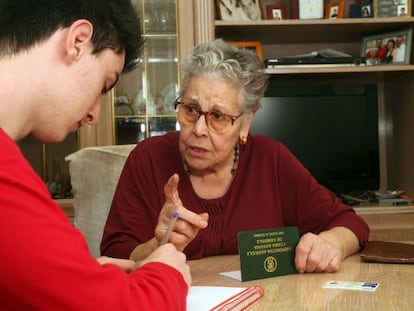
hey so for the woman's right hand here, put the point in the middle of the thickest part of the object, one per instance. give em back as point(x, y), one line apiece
point(188, 223)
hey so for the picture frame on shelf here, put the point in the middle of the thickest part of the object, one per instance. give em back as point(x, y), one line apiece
point(311, 9)
point(402, 10)
point(276, 12)
point(392, 48)
point(228, 10)
point(394, 8)
point(252, 45)
point(238, 10)
point(366, 9)
point(335, 10)
point(250, 10)
point(285, 3)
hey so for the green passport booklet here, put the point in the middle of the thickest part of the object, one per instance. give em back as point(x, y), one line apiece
point(267, 253)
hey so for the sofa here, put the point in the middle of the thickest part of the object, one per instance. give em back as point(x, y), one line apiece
point(94, 173)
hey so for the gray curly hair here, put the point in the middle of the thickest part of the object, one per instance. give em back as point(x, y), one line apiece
point(240, 66)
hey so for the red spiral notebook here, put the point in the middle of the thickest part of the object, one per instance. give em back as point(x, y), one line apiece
point(220, 298)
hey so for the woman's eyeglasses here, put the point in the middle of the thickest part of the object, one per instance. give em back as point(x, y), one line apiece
point(216, 121)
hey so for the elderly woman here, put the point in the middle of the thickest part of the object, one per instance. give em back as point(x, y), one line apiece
point(221, 180)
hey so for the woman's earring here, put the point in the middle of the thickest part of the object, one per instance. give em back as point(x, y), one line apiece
point(243, 140)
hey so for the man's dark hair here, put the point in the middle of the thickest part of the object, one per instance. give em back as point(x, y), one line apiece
point(25, 23)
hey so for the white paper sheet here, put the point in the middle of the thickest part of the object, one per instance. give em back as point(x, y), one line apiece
point(236, 274)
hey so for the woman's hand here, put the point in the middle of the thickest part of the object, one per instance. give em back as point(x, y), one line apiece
point(325, 252)
point(188, 223)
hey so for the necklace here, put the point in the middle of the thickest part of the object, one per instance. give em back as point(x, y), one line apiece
point(233, 168)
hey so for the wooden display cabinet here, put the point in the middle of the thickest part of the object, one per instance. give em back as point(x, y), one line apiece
point(395, 82)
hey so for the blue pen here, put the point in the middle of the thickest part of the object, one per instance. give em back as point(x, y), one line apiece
point(169, 229)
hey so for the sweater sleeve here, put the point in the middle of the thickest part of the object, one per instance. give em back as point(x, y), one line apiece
point(135, 206)
point(139, 195)
point(311, 206)
point(46, 264)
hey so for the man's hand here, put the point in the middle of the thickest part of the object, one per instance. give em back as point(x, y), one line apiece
point(124, 264)
point(169, 255)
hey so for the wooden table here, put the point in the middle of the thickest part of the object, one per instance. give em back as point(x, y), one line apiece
point(304, 292)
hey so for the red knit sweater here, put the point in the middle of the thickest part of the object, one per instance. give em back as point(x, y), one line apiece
point(45, 263)
point(271, 189)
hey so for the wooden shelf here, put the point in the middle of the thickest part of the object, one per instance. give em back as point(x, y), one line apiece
point(366, 23)
point(389, 223)
point(304, 31)
point(339, 69)
point(386, 209)
point(293, 37)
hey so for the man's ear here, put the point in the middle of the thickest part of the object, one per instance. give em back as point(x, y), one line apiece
point(78, 39)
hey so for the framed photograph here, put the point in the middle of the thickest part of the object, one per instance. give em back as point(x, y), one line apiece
point(277, 12)
point(228, 10)
point(392, 8)
point(253, 45)
point(264, 4)
point(366, 9)
point(238, 10)
point(335, 10)
point(387, 48)
point(311, 9)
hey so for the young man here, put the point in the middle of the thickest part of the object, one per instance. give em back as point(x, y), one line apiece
point(56, 60)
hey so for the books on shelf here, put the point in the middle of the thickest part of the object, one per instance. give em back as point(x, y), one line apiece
point(220, 298)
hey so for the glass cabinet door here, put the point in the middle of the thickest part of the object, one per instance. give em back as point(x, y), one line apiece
point(144, 99)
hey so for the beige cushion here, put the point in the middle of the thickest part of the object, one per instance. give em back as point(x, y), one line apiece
point(94, 173)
